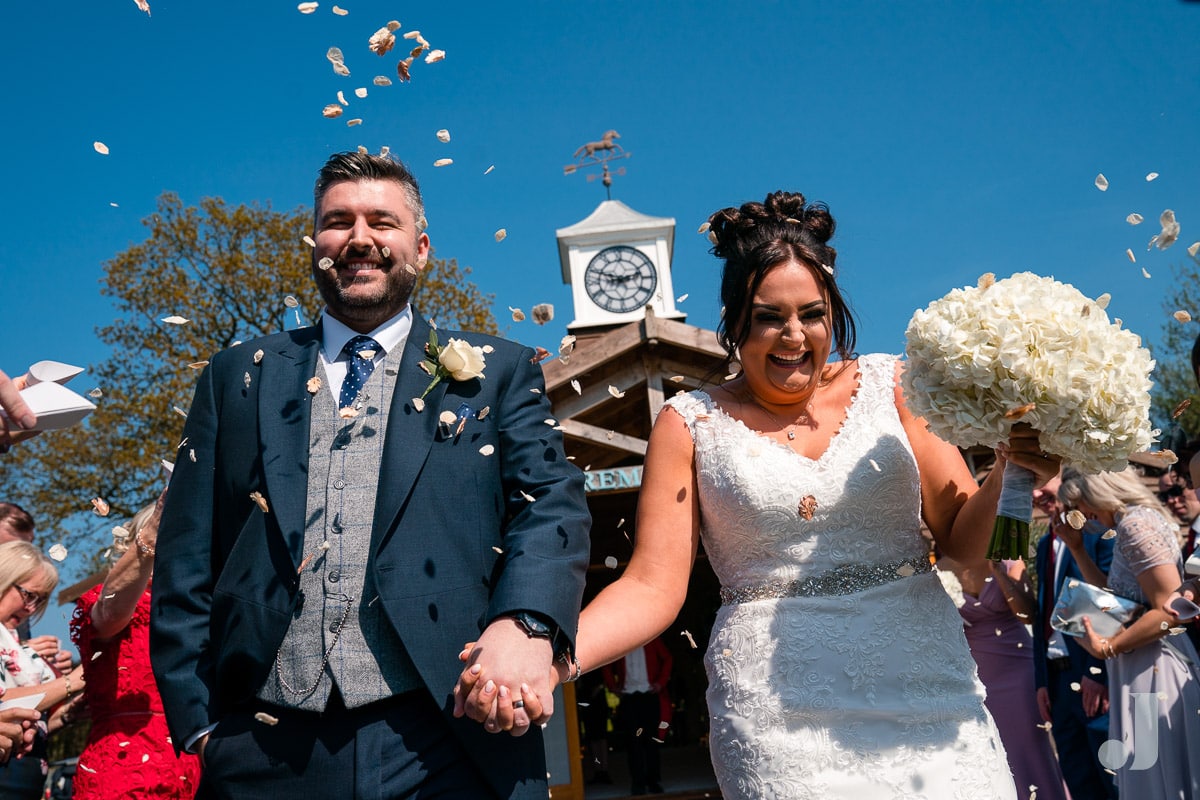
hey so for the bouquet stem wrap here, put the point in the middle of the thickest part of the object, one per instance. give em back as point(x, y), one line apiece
point(1010, 535)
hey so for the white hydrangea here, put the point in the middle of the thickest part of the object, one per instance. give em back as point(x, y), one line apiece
point(980, 352)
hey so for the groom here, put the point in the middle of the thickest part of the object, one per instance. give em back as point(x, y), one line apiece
point(330, 540)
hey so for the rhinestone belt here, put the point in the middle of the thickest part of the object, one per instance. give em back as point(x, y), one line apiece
point(846, 579)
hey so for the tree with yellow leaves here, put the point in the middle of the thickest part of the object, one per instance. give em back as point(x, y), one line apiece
point(232, 273)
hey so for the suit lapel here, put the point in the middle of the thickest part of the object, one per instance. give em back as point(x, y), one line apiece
point(284, 410)
point(410, 433)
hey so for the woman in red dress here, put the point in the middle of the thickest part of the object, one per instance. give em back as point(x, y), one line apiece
point(129, 753)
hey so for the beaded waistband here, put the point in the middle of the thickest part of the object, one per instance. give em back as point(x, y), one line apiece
point(846, 579)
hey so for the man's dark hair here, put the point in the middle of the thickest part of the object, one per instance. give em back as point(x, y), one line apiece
point(17, 518)
point(357, 166)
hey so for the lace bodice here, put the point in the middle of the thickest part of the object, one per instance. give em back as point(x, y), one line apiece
point(1145, 539)
point(751, 487)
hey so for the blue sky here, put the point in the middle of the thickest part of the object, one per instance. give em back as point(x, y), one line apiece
point(948, 138)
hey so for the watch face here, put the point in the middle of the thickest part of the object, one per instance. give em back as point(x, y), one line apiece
point(620, 279)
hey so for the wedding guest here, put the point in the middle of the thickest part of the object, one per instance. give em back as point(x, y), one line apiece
point(1176, 493)
point(837, 666)
point(1078, 719)
point(1145, 662)
point(17, 425)
point(27, 579)
point(16, 525)
point(640, 679)
point(996, 605)
point(128, 751)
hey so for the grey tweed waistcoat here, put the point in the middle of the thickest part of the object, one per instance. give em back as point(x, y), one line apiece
point(339, 634)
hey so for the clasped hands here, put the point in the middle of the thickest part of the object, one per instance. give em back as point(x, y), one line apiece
point(508, 681)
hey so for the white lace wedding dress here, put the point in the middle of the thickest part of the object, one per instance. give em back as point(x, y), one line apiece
point(837, 666)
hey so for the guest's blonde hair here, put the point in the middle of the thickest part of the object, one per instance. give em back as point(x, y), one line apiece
point(1110, 491)
point(136, 523)
point(20, 562)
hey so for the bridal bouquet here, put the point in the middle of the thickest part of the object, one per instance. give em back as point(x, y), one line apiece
point(1033, 350)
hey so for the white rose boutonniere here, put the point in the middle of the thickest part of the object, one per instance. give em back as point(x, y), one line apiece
point(458, 360)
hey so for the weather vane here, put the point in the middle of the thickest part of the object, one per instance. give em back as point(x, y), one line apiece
point(601, 153)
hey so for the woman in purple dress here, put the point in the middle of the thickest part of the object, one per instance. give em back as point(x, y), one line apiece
point(996, 602)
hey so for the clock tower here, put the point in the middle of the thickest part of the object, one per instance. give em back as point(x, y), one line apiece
point(618, 262)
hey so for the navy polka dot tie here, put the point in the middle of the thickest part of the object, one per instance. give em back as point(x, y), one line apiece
point(361, 350)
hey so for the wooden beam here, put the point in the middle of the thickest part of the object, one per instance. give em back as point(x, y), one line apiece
point(599, 436)
point(654, 383)
point(597, 394)
point(592, 354)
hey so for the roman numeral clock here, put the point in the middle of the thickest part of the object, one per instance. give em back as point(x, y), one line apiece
point(616, 260)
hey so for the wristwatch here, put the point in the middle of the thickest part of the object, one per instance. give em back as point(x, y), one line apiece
point(539, 627)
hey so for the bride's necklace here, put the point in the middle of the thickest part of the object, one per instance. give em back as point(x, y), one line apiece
point(788, 428)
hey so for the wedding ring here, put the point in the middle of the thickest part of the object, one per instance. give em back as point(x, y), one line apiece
point(518, 703)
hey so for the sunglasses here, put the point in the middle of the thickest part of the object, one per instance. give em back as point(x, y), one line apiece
point(1167, 494)
point(31, 599)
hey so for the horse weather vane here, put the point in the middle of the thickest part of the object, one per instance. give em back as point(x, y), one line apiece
point(601, 153)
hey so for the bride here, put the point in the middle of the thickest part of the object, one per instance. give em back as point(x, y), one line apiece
point(837, 666)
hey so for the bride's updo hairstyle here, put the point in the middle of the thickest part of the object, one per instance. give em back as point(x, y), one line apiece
point(758, 236)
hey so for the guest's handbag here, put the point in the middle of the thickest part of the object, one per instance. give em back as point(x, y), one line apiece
point(1107, 611)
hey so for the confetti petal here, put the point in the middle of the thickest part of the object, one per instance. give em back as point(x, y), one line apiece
point(1151, 176)
point(1182, 316)
point(1134, 219)
point(487, 450)
point(381, 41)
point(350, 123)
point(325, 263)
point(100, 147)
point(314, 385)
point(443, 135)
point(264, 717)
point(443, 162)
point(96, 394)
point(517, 314)
point(1103, 300)
point(1076, 519)
point(681, 298)
point(447, 417)
point(1019, 411)
point(57, 552)
point(307, 8)
point(489, 169)
point(258, 356)
point(1169, 232)
point(575, 385)
point(435, 56)
point(341, 12)
point(610, 562)
point(1129, 254)
point(100, 506)
point(1102, 182)
point(542, 313)
point(501, 234)
point(360, 92)
point(1145, 273)
point(686, 633)
point(615, 392)
point(260, 501)
point(382, 80)
point(308, 240)
point(704, 227)
point(176, 320)
point(1195, 248)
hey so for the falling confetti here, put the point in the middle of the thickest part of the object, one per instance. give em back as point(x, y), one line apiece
point(447, 417)
point(1076, 519)
point(808, 504)
point(96, 394)
point(176, 320)
point(483, 412)
point(308, 240)
point(443, 135)
point(314, 385)
point(681, 298)
point(517, 314)
point(100, 506)
point(341, 12)
point(566, 347)
point(246, 379)
point(258, 356)
point(688, 635)
point(528, 497)
point(143, 5)
point(1109, 534)
point(610, 562)
point(100, 147)
point(874, 464)
point(443, 162)
point(677, 379)
point(325, 263)
point(435, 56)
point(487, 450)
point(341, 96)
point(1195, 248)
point(704, 227)
point(381, 41)
point(1134, 219)
point(1129, 254)
point(542, 313)
point(1145, 273)
point(57, 552)
point(1182, 316)
point(350, 123)
point(418, 404)
point(307, 8)
point(334, 54)
point(1102, 182)
point(360, 92)
point(260, 501)
point(1103, 300)
point(382, 80)
point(262, 716)
point(615, 392)
point(1151, 176)
point(1169, 233)
point(501, 234)
point(575, 385)
point(489, 169)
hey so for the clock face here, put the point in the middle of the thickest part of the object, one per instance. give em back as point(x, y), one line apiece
point(620, 279)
